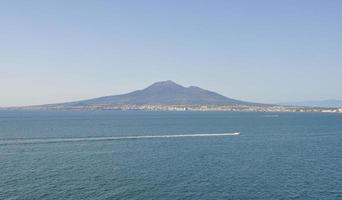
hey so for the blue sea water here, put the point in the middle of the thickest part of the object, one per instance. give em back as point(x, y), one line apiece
point(277, 156)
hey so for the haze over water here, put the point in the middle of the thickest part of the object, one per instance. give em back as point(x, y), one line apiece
point(276, 156)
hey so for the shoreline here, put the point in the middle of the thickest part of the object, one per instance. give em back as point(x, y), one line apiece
point(180, 108)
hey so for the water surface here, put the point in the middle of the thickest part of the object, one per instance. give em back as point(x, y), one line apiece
point(278, 156)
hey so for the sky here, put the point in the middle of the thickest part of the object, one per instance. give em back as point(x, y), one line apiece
point(261, 51)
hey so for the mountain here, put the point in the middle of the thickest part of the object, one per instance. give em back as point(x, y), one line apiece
point(331, 103)
point(165, 92)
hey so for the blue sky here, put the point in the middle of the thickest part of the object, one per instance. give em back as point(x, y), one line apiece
point(262, 51)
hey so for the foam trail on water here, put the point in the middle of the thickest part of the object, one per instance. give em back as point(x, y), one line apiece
point(62, 140)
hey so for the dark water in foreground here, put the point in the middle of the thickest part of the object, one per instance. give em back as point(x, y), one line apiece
point(278, 156)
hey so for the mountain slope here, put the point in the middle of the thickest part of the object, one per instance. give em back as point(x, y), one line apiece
point(165, 92)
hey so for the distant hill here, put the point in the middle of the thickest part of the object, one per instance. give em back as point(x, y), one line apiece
point(332, 103)
point(165, 92)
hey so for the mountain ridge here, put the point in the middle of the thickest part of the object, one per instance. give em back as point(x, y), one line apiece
point(170, 96)
point(166, 92)
point(161, 93)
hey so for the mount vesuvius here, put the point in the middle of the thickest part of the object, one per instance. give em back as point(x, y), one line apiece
point(161, 93)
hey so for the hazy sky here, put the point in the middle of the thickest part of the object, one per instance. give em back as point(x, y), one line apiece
point(262, 51)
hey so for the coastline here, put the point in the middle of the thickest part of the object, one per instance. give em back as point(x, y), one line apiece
point(178, 108)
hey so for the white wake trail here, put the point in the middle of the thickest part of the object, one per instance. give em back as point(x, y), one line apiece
point(61, 140)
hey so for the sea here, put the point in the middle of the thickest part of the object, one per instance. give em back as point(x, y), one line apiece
point(58, 155)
